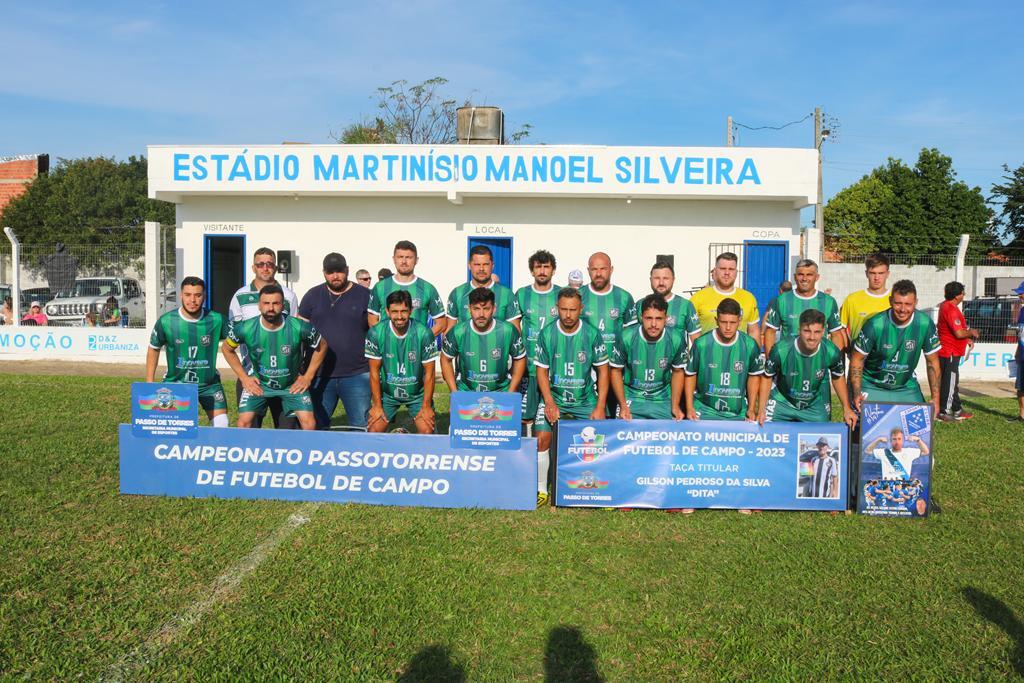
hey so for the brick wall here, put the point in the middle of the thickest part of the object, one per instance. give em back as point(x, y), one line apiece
point(15, 174)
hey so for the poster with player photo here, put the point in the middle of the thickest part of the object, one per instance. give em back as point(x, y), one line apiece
point(895, 460)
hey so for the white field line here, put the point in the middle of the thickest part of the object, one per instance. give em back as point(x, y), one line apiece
point(131, 664)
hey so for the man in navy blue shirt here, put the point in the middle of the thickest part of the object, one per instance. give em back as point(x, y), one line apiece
point(337, 308)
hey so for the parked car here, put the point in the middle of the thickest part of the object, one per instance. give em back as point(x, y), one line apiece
point(994, 316)
point(89, 294)
point(40, 294)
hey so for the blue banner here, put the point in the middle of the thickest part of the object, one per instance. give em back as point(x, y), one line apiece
point(702, 464)
point(383, 469)
point(488, 420)
point(895, 472)
point(165, 410)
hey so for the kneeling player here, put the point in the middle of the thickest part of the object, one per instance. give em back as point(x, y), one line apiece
point(275, 344)
point(483, 353)
point(566, 353)
point(795, 371)
point(401, 353)
point(722, 370)
point(191, 336)
point(647, 364)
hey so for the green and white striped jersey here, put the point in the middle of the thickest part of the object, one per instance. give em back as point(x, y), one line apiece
point(483, 359)
point(569, 359)
point(722, 370)
point(426, 302)
point(538, 309)
point(608, 312)
point(401, 357)
point(892, 351)
point(276, 355)
point(647, 365)
point(681, 314)
point(798, 378)
point(505, 305)
point(785, 309)
point(192, 346)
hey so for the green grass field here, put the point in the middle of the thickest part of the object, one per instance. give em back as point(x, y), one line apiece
point(100, 585)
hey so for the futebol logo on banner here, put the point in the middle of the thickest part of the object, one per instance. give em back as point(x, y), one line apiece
point(165, 410)
point(486, 419)
point(706, 464)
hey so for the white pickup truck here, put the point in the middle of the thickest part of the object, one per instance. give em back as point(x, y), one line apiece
point(89, 294)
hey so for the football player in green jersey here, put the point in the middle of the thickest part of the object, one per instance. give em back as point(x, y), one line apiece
point(192, 337)
point(427, 307)
point(647, 365)
point(794, 371)
point(401, 353)
point(606, 307)
point(680, 313)
point(275, 344)
point(887, 351)
point(481, 269)
point(538, 302)
point(483, 353)
point(567, 351)
point(783, 316)
point(722, 370)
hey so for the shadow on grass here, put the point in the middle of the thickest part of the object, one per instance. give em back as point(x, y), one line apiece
point(432, 663)
point(998, 613)
point(568, 657)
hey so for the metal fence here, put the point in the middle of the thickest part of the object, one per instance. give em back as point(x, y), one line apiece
point(98, 284)
point(1004, 256)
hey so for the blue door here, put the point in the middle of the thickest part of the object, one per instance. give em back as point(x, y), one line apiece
point(223, 269)
point(501, 247)
point(765, 266)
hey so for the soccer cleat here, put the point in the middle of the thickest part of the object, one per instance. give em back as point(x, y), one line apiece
point(945, 417)
point(542, 499)
point(1015, 419)
point(399, 430)
point(963, 415)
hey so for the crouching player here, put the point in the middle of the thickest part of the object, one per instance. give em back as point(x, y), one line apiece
point(795, 371)
point(401, 353)
point(647, 364)
point(722, 370)
point(567, 351)
point(191, 336)
point(275, 343)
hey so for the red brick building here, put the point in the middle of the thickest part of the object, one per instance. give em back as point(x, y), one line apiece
point(17, 172)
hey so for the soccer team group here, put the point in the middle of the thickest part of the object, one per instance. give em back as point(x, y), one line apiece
point(583, 351)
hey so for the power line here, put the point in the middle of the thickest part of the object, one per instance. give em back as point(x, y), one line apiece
point(785, 125)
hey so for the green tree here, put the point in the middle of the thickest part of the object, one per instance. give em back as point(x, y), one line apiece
point(851, 216)
point(1009, 197)
point(915, 211)
point(418, 114)
point(81, 199)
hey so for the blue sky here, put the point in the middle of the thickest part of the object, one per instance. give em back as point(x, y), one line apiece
point(110, 78)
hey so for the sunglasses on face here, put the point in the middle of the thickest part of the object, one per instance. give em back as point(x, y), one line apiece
point(264, 264)
point(364, 279)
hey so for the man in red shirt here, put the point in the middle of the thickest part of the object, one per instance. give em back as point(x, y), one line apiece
point(954, 338)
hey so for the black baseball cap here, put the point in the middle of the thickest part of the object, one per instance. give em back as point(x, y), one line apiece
point(335, 263)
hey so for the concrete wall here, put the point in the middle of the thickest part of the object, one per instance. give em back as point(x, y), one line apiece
point(844, 278)
point(366, 229)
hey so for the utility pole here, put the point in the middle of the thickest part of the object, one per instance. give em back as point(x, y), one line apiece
point(819, 220)
point(728, 132)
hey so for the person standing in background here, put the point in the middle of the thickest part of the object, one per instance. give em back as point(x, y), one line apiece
point(337, 308)
point(954, 339)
